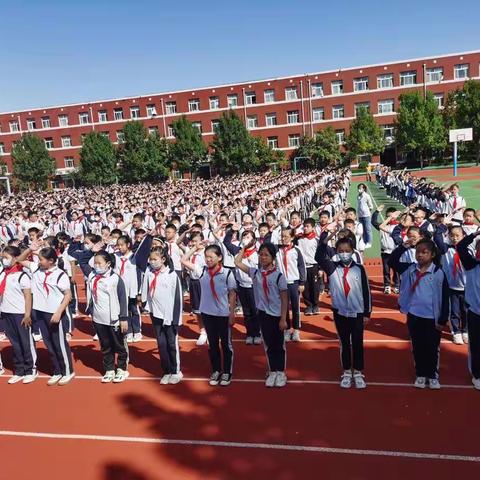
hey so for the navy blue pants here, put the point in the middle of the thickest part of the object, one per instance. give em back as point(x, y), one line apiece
point(387, 271)
point(294, 305)
point(312, 287)
point(54, 337)
point(167, 341)
point(219, 331)
point(112, 342)
point(247, 301)
point(350, 332)
point(425, 345)
point(458, 311)
point(473, 322)
point(134, 322)
point(274, 341)
point(24, 352)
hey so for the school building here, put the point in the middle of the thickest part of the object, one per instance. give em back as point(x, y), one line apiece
point(280, 110)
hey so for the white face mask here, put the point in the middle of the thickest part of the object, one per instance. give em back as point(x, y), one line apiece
point(345, 257)
point(101, 271)
point(246, 242)
point(156, 264)
point(6, 262)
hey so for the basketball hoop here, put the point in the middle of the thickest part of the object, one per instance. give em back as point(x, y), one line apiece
point(459, 135)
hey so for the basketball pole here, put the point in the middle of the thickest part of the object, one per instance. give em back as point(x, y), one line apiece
point(455, 158)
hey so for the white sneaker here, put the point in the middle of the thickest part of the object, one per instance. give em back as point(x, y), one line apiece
point(129, 337)
point(2, 370)
point(420, 382)
point(137, 337)
point(95, 337)
point(225, 379)
point(120, 376)
point(37, 337)
point(202, 339)
point(257, 340)
point(368, 245)
point(465, 337)
point(30, 378)
point(2, 337)
point(165, 380)
point(359, 380)
point(15, 379)
point(214, 379)
point(434, 384)
point(457, 339)
point(53, 380)
point(270, 381)
point(280, 379)
point(346, 380)
point(109, 376)
point(249, 341)
point(66, 379)
point(287, 335)
point(476, 383)
point(68, 336)
point(296, 336)
point(176, 378)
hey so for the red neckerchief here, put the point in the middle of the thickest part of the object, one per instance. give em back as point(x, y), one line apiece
point(454, 202)
point(419, 276)
point(7, 272)
point(456, 262)
point(153, 284)
point(309, 236)
point(95, 285)
point(346, 285)
point(122, 267)
point(393, 222)
point(212, 272)
point(45, 286)
point(265, 275)
point(285, 259)
point(249, 252)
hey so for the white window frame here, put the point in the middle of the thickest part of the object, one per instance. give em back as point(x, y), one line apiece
point(360, 84)
point(252, 122)
point(66, 141)
point(152, 130)
point(440, 99)
point(293, 117)
point(318, 114)
point(294, 140)
point(385, 81)
point(214, 125)
point(272, 142)
point(250, 97)
point(83, 118)
point(120, 136)
point(194, 105)
point(48, 143)
point(134, 112)
point(338, 111)
point(151, 110)
point(408, 78)
point(359, 105)
point(214, 103)
point(291, 93)
point(317, 89)
point(340, 136)
point(46, 123)
point(232, 100)
point(2, 148)
point(14, 126)
point(118, 113)
point(67, 161)
point(269, 95)
point(386, 107)
point(102, 116)
point(198, 126)
point(271, 119)
point(31, 124)
point(464, 67)
point(171, 108)
point(170, 131)
point(434, 75)
point(337, 87)
point(63, 120)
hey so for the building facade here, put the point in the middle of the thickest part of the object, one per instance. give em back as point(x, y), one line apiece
point(280, 110)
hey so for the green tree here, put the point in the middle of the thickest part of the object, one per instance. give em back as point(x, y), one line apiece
point(32, 165)
point(188, 151)
point(132, 153)
point(322, 149)
point(233, 148)
point(419, 126)
point(365, 137)
point(158, 157)
point(98, 162)
point(462, 110)
point(265, 156)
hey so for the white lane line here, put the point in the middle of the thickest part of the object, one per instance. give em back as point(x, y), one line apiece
point(261, 380)
point(243, 445)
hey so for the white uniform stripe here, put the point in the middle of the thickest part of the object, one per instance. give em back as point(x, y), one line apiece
point(33, 350)
point(61, 341)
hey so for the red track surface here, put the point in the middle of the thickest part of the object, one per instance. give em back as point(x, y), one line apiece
point(312, 411)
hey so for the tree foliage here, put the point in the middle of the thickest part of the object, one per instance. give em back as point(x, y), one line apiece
point(322, 149)
point(188, 151)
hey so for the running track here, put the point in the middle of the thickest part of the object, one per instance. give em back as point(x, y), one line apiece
point(311, 429)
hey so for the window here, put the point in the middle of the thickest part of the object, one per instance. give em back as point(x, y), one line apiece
point(439, 99)
point(338, 111)
point(68, 162)
point(214, 103)
point(45, 122)
point(250, 98)
point(294, 140)
point(66, 141)
point(105, 134)
point(63, 120)
point(434, 74)
point(171, 108)
point(272, 142)
point(291, 93)
point(388, 132)
point(337, 87)
point(215, 125)
point(252, 121)
point(269, 95)
point(31, 124)
point(48, 143)
point(83, 118)
point(153, 130)
point(4, 169)
point(120, 136)
point(102, 116)
point(461, 71)
point(170, 132)
point(194, 105)
point(359, 106)
point(118, 113)
point(340, 135)
point(198, 126)
point(318, 114)
point(317, 89)
point(151, 110)
point(82, 137)
point(134, 112)
point(293, 117)
point(271, 119)
point(14, 126)
point(408, 78)
point(232, 100)
point(385, 106)
point(385, 81)
point(360, 84)
point(2, 148)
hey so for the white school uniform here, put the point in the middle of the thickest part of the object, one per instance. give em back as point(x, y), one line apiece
point(13, 300)
point(129, 275)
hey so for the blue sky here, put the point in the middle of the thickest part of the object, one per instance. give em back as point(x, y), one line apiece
point(54, 52)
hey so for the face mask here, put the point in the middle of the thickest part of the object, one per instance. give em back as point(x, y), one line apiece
point(345, 257)
point(6, 262)
point(246, 242)
point(156, 264)
point(101, 271)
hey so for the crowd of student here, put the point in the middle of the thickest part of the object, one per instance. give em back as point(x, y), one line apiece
point(255, 243)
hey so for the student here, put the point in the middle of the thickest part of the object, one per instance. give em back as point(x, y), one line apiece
point(364, 209)
point(51, 296)
point(162, 292)
point(292, 265)
point(174, 251)
point(307, 244)
point(16, 309)
point(351, 306)
point(217, 307)
point(128, 270)
point(107, 304)
point(424, 298)
point(271, 297)
point(455, 204)
point(471, 264)
point(455, 273)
